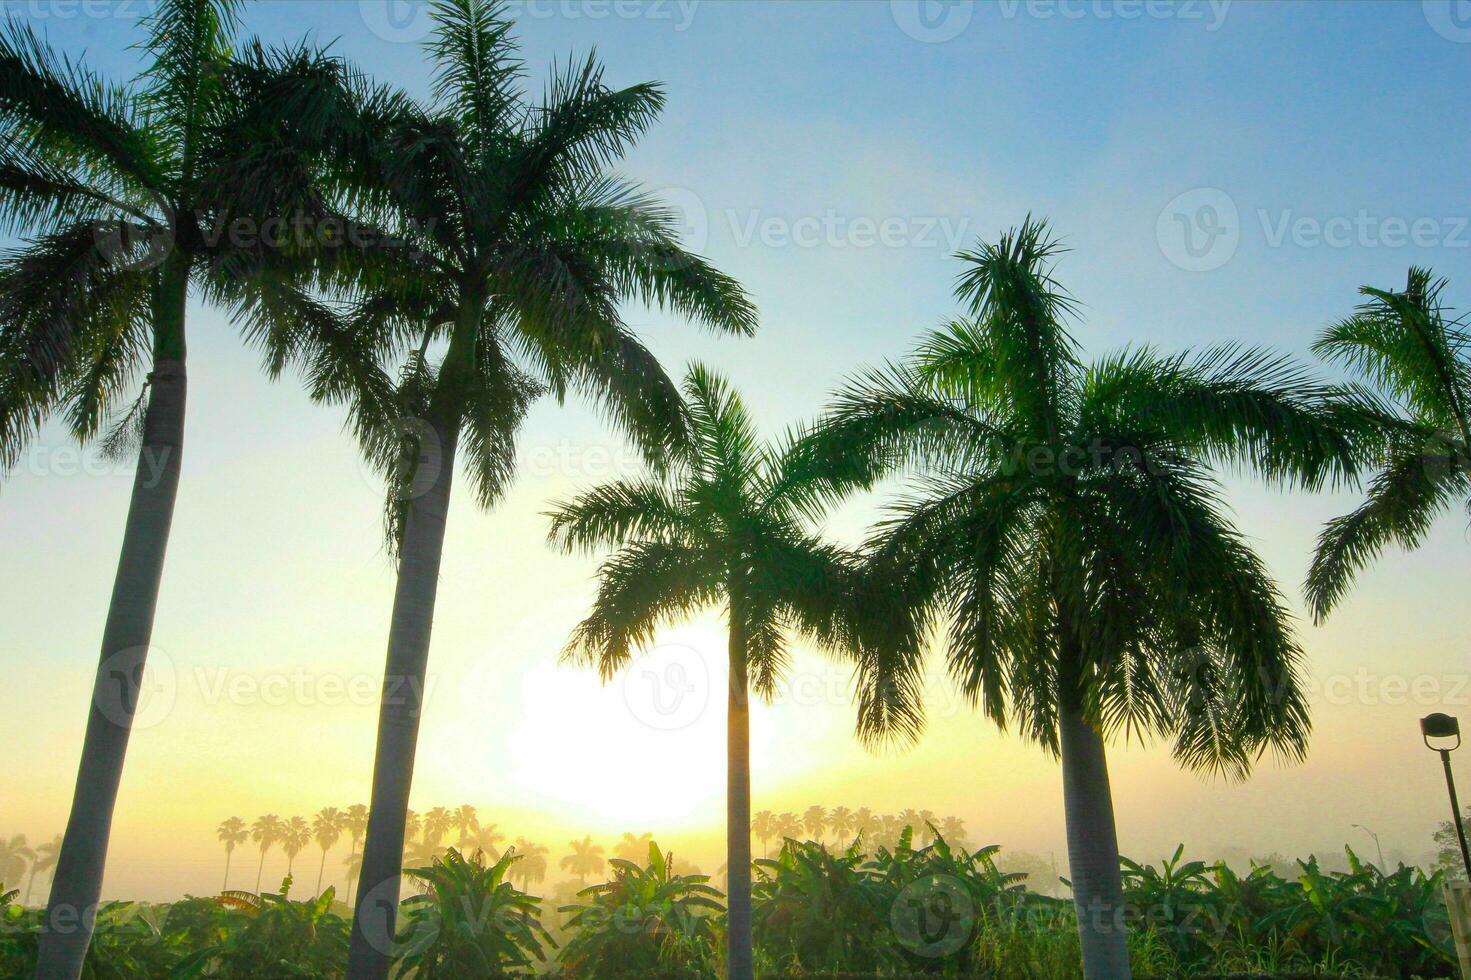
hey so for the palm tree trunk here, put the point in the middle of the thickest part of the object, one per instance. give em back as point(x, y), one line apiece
point(31, 883)
point(76, 885)
point(321, 866)
point(1093, 849)
point(260, 869)
point(738, 954)
point(376, 909)
point(225, 885)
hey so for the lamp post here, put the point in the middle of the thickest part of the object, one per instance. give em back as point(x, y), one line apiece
point(1377, 846)
point(1440, 727)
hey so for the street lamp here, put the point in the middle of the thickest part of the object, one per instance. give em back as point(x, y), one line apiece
point(1377, 846)
point(1440, 727)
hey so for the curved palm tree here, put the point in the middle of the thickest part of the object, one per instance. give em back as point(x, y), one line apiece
point(231, 832)
point(127, 199)
point(266, 832)
point(296, 834)
point(1408, 347)
point(47, 855)
point(726, 525)
point(1067, 531)
point(586, 859)
point(327, 828)
point(519, 246)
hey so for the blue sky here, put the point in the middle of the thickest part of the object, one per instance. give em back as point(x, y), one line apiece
point(832, 161)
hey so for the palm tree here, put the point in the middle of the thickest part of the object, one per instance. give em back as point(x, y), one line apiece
point(295, 836)
point(437, 823)
point(586, 859)
point(787, 825)
point(532, 866)
point(633, 847)
point(327, 827)
point(926, 828)
point(16, 856)
point(841, 822)
point(125, 199)
point(866, 824)
point(815, 820)
point(466, 821)
point(46, 857)
point(231, 832)
point(519, 247)
point(953, 830)
point(725, 525)
point(488, 839)
point(412, 822)
point(1068, 533)
point(266, 831)
point(909, 818)
point(1407, 346)
point(763, 825)
point(355, 824)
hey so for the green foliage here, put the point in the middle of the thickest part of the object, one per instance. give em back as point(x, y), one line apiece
point(264, 935)
point(472, 923)
point(646, 920)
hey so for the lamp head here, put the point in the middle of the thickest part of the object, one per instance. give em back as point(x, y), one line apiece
point(1438, 726)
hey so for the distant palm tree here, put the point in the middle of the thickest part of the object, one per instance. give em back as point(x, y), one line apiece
point(841, 821)
point(787, 825)
point(47, 855)
point(866, 824)
point(633, 847)
point(953, 830)
point(521, 244)
point(586, 859)
point(437, 823)
point(815, 820)
point(327, 828)
point(466, 821)
point(910, 818)
point(488, 840)
point(1406, 345)
point(763, 825)
point(16, 857)
point(532, 868)
point(295, 836)
point(926, 829)
point(725, 524)
point(1070, 539)
point(231, 832)
point(355, 823)
point(890, 827)
point(127, 197)
point(352, 863)
point(266, 832)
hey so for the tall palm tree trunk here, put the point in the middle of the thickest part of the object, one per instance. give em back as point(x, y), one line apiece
point(1093, 849)
point(321, 867)
point(738, 956)
point(31, 883)
point(77, 884)
point(376, 909)
point(225, 885)
point(260, 869)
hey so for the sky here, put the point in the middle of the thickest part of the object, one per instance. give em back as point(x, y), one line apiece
point(1222, 172)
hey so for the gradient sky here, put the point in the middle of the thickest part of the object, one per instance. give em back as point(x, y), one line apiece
point(831, 156)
